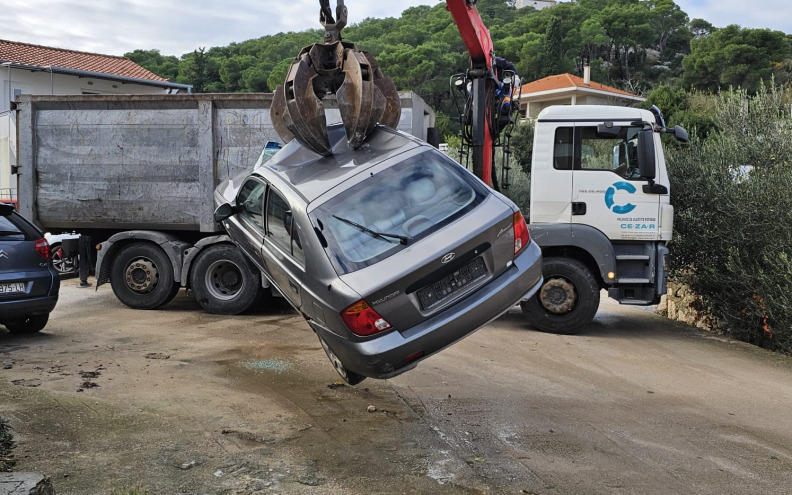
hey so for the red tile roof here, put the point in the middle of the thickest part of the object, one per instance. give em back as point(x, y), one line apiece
point(569, 81)
point(24, 53)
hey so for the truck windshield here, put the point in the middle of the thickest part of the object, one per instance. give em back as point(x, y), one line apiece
point(394, 208)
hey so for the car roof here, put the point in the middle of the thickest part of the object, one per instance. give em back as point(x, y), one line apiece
point(311, 175)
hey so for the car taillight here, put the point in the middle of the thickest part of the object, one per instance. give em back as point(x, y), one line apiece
point(363, 320)
point(521, 235)
point(42, 248)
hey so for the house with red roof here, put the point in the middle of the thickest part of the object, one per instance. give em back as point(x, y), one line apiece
point(568, 89)
point(34, 69)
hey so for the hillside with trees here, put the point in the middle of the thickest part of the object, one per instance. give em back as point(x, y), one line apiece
point(636, 45)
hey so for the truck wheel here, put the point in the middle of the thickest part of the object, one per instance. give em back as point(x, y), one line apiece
point(348, 376)
point(142, 276)
point(222, 281)
point(567, 300)
point(29, 324)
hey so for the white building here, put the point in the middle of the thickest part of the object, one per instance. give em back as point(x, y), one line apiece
point(537, 4)
point(41, 70)
point(568, 89)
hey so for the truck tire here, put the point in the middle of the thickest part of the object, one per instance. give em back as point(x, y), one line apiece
point(222, 280)
point(142, 276)
point(568, 299)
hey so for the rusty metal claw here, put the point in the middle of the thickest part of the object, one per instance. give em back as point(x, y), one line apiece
point(365, 96)
point(359, 100)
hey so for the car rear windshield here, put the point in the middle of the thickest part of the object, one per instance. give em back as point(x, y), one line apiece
point(396, 207)
point(10, 230)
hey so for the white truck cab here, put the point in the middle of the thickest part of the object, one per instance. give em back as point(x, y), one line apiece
point(600, 210)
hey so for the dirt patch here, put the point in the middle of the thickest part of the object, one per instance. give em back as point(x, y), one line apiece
point(179, 401)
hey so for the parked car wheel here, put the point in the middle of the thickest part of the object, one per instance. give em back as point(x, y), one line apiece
point(30, 324)
point(222, 282)
point(568, 299)
point(142, 276)
point(348, 376)
point(63, 265)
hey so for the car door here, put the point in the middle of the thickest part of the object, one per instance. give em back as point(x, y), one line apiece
point(247, 226)
point(281, 252)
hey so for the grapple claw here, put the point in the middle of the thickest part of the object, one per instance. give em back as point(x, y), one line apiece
point(278, 114)
point(304, 115)
point(392, 113)
point(361, 103)
point(365, 96)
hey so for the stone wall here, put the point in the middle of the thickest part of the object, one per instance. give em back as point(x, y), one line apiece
point(682, 304)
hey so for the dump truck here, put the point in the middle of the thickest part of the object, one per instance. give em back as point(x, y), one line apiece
point(136, 174)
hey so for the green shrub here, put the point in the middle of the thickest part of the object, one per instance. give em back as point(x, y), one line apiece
point(733, 224)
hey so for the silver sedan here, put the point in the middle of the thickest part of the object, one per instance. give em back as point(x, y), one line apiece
point(391, 252)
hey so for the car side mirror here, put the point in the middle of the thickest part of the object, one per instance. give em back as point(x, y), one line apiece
point(646, 154)
point(224, 211)
point(6, 209)
point(680, 134)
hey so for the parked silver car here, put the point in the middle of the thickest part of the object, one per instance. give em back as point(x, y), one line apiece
point(391, 252)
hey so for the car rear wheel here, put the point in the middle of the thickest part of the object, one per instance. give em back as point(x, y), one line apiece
point(567, 300)
point(222, 281)
point(30, 324)
point(348, 376)
point(142, 276)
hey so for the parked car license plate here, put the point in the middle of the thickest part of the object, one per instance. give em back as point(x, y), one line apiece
point(12, 288)
point(443, 289)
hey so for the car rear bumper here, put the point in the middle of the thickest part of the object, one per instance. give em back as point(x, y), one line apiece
point(12, 310)
point(386, 356)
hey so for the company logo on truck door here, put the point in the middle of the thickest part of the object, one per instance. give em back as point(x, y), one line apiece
point(610, 202)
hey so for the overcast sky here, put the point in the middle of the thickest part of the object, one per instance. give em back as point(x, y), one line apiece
point(118, 26)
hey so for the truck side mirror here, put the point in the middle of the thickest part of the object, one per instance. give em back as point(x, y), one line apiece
point(6, 209)
point(646, 154)
point(223, 211)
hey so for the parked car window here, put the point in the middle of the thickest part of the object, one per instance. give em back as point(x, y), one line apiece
point(395, 207)
point(9, 231)
point(618, 154)
point(281, 228)
point(250, 201)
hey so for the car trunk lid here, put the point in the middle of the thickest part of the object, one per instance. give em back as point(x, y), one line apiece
point(441, 269)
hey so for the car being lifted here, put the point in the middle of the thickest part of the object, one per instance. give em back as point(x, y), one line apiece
point(391, 251)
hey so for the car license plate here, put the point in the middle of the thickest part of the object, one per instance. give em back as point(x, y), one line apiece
point(12, 288)
point(449, 285)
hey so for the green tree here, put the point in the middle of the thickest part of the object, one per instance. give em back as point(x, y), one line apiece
point(161, 65)
point(736, 57)
point(552, 51)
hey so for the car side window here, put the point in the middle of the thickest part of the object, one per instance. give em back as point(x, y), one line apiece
point(281, 228)
point(250, 201)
